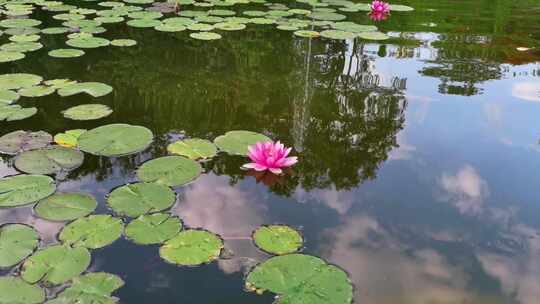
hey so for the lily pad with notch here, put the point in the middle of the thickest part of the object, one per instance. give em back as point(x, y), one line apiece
point(95, 288)
point(191, 248)
point(141, 198)
point(19, 141)
point(15, 290)
point(69, 139)
point(115, 140)
point(94, 231)
point(237, 142)
point(87, 112)
point(193, 148)
point(24, 189)
point(17, 241)
point(169, 170)
point(153, 228)
point(49, 160)
point(95, 89)
point(278, 239)
point(65, 206)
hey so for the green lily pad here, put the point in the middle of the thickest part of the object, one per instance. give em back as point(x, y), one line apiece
point(137, 199)
point(123, 42)
point(55, 30)
point(55, 264)
point(299, 279)
point(230, 26)
point(143, 23)
point(338, 35)
point(81, 23)
point(21, 190)
point(170, 27)
point(277, 239)
point(24, 38)
point(94, 231)
point(15, 290)
point(178, 20)
point(66, 53)
point(285, 27)
point(254, 13)
point(91, 288)
point(68, 16)
point(353, 27)
point(116, 140)
point(16, 243)
point(18, 141)
point(220, 12)
point(22, 31)
point(153, 229)
point(373, 36)
point(87, 112)
point(110, 19)
point(16, 112)
point(169, 170)
point(17, 23)
point(70, 138)
point(401, 8)
point(93, 30)
point(200, 27)
point(193, 148)
point(7, 97)
point(36, 91)
point(79, 35)
point(191, 248)
point(66, 206)
point(145, 15)
point(237, 142)
point(262, 21)
point(307, 34)
point(18, 81)
point(95, 89)
point(327, 16)
point(7, 56)
point(59, 83)
point(49, 160)
point(21, 47)
point(88, 42)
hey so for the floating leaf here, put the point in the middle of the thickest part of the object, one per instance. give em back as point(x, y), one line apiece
point(13, 290)
point(338, 35)
point(95, 89)
point(24, 38)
point(230, 26)
point(91, 288)
point(123, 42)
point(87, 42)
point(144, 23)
point(66, 53)
point(307, 34)
point(401, 8)
point(66, 206)
point(299, 279)
point(87, 112)
point(18, 81)
point(55, 30)
point(22, 31)
point(169, 170)
point(7, 97)
point(277, 239)
point(327, 16)
point(200, 27)
point(153, 229)
point(59, 83)
point(237, 142)
point(192, 247)
point(16, 112)
point(137, 199)
point(36, 91)
point(115, 140)
point(70, 138)
point(373, 36)
point(49, 160)
point(111, 19)
point(21, 190)
point(6, 56)
point(21, 47)
point(94, 231)
point(17, 23)
point(18, 141)
point(16, 243)
point(193, 148)
point(145, 15)
point(353, 27)
point(55, 264)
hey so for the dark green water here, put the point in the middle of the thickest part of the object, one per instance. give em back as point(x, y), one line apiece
point(419, 157)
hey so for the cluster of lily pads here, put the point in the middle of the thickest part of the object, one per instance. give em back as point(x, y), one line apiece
point(13, 86)
point(295, 277)
point(307, 18)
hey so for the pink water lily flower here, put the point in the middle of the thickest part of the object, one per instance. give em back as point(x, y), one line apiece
point(376, 16)
point(380, 7)
point(270, 156)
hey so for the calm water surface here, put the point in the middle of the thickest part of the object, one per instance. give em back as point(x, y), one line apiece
point(420, 161)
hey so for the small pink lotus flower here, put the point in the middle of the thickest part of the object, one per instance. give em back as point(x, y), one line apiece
point(270, 156)
point(378, 6)
point(376, 16)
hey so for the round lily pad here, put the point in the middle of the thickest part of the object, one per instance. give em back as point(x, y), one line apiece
point(70, 138)
point(191, 248)
point(22, 31)
point(55, 30)
point(66, 53)
point(16, 112)
point(16, 243)
point(7, 56)
point(327, 16)
point(307, 34)
point(169, 170)
point(87, 42)
point(66, 206)
point(373, 36)
point(18, 141)
point(262, 21)
point(353, 27)
point(170, 27)
point(18, 81)
point(230, 26)
point(193, 148)
point(91, 288)
point(16, 23)
point(36, 91)
point(143, 23)
point(21, 190)
point(24, 38)
point(338, 35)
point(145, 15)
point(140, 198)
point(95, 89)
point(15, 290)
point(205, 36)
point(277, 239)
point(237, 142)
point(401, 8)
point(87, 112)
point(110, 19)
point(21, 47)
point(200, 27)
point(299, 279)
point(123, 42)
point(153, 229)
point(7, 97)
point(94, 231)
point(115, 140)
point(55, 265)
point(49, 160)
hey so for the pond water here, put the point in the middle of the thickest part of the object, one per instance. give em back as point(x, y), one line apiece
point(419, 156)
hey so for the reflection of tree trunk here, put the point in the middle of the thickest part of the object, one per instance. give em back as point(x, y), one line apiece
point(301, 107)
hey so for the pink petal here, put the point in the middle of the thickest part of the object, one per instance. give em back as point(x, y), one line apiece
point(276, 171)
point(249, 166)
point(259, 167)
